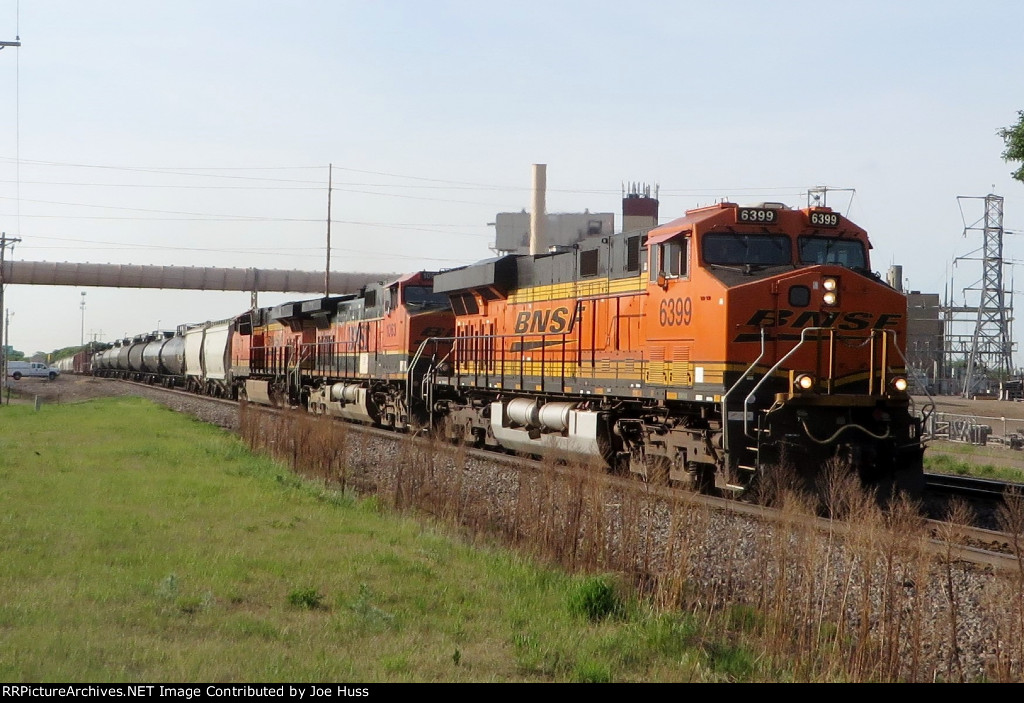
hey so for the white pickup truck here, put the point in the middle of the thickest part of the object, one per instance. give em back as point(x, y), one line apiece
point(25, 369)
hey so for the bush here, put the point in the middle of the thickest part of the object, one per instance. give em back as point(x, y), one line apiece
point(595, 598)
point(592, 672)
point(307, 598)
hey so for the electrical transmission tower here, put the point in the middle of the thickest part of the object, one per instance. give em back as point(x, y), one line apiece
point(991, 345)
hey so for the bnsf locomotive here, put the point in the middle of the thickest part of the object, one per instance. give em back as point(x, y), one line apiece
point(710, 350)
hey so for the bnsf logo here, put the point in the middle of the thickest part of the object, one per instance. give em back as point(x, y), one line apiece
point(544, 321)
point(847, 321)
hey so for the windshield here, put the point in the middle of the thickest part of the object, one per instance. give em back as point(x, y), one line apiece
point(744, 249)
point(425, 297)
point(829, 250)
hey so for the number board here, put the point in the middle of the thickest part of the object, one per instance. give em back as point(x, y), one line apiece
point(758, 215)
point(824, 219)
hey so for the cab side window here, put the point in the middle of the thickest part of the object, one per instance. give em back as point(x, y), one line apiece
point(672, 259)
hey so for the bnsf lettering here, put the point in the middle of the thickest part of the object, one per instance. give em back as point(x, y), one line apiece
point(886, 320)
point(846, 321)
point(816, 319)
point(543, 321)
point(857, 321)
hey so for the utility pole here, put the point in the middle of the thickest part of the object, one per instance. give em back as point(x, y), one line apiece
point(4, 242)
point(327, 273)
point(7, 339)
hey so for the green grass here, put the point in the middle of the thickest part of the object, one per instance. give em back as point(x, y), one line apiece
point(970, 465)
point(140, 545)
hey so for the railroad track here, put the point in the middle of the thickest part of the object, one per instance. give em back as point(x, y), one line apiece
point(980, 500)
point(968, 486)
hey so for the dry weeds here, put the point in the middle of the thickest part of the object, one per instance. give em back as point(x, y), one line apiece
point(863, 602)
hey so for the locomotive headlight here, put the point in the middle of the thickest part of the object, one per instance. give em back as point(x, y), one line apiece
point(899, 383)
point(831, 286)
point(803, 382)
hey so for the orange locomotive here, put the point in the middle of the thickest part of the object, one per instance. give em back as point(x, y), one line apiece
point(720, 345)
point(351, 356)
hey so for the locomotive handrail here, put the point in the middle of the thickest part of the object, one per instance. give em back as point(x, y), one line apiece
point(768, 374)
point(725, 409)
point(882, 373)
point(409, 382)
point(455, 346)
point(929, 407)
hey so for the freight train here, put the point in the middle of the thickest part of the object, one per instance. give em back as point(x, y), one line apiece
point(708, 351)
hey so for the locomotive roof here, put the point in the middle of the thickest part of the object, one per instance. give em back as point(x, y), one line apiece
point(499, 272)
point(590, 258)
point(728, 214)
point(692, 217)
point(415, 276)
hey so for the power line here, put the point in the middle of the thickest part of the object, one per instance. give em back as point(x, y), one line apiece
point(204, 172)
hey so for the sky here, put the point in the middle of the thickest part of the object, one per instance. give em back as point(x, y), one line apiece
point(202, 132)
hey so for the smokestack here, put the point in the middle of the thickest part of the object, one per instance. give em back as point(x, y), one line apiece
point(894, 277)
point(538, 215)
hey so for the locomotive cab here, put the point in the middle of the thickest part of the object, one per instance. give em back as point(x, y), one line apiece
point(711, 351)
point(791, 336)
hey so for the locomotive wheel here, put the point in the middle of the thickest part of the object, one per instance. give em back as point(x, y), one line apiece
point(702, 477)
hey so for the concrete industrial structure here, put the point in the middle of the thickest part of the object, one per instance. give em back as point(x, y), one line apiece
point(514, 231)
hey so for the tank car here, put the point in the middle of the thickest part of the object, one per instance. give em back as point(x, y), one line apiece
point(120, 362)
point(171, 361)
point(153, 357)
point(99, 361)
point(711, 351)
point(104, 362)
point(137, 370)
